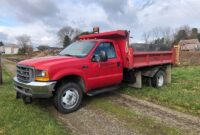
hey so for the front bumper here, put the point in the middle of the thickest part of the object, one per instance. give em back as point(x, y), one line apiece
point(34, 89)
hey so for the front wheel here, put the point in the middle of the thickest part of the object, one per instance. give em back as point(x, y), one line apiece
point(159, 79)
point(68, 97)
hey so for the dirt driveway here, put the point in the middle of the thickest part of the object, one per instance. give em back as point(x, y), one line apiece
point(90, 121)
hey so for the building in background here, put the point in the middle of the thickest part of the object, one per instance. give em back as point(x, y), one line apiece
point(10, 48)
point(190, 45)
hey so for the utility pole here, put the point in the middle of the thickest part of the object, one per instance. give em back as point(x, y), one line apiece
point(1, 73)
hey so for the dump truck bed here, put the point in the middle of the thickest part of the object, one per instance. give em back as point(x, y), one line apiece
point(145, 59)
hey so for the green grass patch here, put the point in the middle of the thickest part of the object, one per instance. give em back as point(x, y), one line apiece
point(183, 93)
point(9, 63)
point(11, 55)
point(141, 124)
point(17, 118)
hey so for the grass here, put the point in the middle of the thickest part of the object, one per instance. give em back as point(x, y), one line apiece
point(138, 123)
point(11, 55)
point(182, 94)
point(9, 63)
point(20, 119)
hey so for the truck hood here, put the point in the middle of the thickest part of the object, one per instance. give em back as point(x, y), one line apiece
point(45, 62)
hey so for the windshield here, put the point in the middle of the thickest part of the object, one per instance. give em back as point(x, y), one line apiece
point(78, 49)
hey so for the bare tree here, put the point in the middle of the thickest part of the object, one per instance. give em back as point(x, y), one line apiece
point(25, 42)
point(187, 29)
point(159, 38)
point(67, 31)
point(1, 43)
point(146, 36)
point(167, 35)
point(156, 32)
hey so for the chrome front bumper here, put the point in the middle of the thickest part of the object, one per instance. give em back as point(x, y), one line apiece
point(34, 89)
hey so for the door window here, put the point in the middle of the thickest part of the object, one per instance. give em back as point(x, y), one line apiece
point(108, 47)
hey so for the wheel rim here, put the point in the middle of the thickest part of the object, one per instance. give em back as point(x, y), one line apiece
point(70, 98)
point(160, 80)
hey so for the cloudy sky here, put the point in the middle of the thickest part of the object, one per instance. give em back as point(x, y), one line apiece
point(41, 19)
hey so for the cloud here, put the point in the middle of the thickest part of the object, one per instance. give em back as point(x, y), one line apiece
point(170, 13)
point(119, 12)
point(145, 3)
point(37, 31)
point(29, 11)
point(82, 16)
point(3, 36)
point(110, 6)
point(41, 19)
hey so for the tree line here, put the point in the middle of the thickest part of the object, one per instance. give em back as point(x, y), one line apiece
point(66, 35)
point(165, 38)
point(186, 33)
point(169, 37)
point(162, 38)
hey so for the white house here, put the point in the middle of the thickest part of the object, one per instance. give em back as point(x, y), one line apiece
point(10, 48)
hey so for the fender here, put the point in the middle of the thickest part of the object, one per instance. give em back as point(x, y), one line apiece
point(70, 71)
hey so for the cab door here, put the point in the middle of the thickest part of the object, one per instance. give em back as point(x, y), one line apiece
point(106, 73)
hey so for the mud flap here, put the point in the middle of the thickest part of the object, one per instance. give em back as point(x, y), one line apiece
point(138, 82)
point(168, 72)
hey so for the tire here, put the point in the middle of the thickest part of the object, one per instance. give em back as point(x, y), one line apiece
point(27, 100)
point(68, 98)
point(159, 79)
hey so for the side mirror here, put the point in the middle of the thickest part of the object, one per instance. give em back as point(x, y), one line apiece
point(96, 58)
point(103, 56)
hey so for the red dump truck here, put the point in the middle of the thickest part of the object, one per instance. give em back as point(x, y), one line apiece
point(96, 63)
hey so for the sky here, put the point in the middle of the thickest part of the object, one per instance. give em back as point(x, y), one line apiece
point(41, 19)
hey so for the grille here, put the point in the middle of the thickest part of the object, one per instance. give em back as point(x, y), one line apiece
point(25, 73)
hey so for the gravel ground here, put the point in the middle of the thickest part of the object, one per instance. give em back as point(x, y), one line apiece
point(88, 121)
point(186, 122)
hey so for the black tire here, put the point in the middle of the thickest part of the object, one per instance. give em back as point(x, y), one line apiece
point(62, 95)
point(159, 79)
point(27, 100)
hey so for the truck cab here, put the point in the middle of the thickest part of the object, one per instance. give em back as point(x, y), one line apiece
point(96, 63)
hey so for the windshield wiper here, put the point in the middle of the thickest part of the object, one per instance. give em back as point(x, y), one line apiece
point(69, 55)
point(72, 55)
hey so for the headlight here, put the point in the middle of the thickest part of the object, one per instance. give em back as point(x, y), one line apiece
point(41, 75)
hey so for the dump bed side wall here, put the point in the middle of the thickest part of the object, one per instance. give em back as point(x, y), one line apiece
point(145, 59)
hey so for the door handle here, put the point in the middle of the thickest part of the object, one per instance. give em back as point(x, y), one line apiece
point(118, 64)
point(84, 67)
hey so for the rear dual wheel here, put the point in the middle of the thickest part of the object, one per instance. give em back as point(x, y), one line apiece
point(159, 79)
